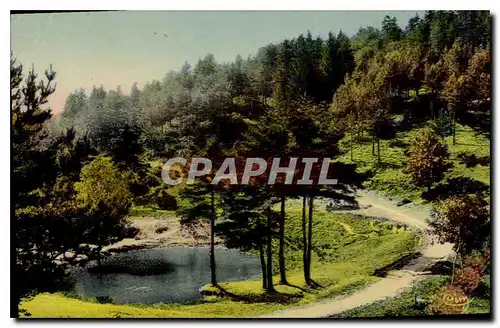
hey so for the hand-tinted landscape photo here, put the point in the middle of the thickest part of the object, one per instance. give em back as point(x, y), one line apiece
point(399, 103)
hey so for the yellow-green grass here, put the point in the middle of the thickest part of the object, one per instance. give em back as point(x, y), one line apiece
point(388, 176)
point(401, 305)
point(149, 211)
point(346, 251)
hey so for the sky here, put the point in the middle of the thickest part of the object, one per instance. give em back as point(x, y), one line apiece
point(120, 48)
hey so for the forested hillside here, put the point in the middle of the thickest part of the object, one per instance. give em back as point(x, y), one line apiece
point(405, 112)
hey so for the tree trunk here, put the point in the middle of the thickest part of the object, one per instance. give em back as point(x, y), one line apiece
point(304, 235)
point(309, 239)
point(378, 148)
point(263, 265)
point(282, 242)
point(270, 287)
point(431, 107)
point(373, 142)
point(213, 278)
point(98, 255)
point(457, 247)
point(454, 125)
point(351, 144)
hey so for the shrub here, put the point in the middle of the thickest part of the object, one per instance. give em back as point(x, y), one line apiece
point(476, 261)
point(165, 201)
point(104, 299)
point(467, 279)
point(442, 125)
point(427, 159)
point(462, 220)
point(484, 288)
point(102, 185)
point(449, 299)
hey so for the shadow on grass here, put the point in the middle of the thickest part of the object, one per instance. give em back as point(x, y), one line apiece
point(456, 186)
point(398, 264)
point(471, 160)
point(313, 284)
point(441, 268)
point(294, 286)
point(386, 165)
point(265, 297)
point(471, 144)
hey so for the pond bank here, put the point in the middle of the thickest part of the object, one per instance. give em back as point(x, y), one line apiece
point(163, 231)
point(346, 263)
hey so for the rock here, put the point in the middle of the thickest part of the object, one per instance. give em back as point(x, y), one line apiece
point(81, 258)
point(58, 262)
point(69, 255)
point(337, 205)
point(160, 229)
point(403, 202)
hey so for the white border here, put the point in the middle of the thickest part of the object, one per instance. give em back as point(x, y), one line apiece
point(204, 5)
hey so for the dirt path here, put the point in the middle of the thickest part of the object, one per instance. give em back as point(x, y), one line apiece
point(396, 281)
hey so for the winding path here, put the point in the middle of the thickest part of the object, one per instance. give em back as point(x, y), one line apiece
point(391, 285)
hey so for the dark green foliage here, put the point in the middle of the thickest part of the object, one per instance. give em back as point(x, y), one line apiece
point(104, 300)
point(390, 29)
point(166, 201)
point(46, 217)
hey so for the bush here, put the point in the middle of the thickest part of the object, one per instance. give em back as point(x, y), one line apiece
point(467, 279)
point(165, 201)
point(427, 159)
point(463, 220)
point(442, 125)
point(484, 288)
point(104, 299)
point(449, 299)
point(386, 128)
point(102, 185)
point(476, 261)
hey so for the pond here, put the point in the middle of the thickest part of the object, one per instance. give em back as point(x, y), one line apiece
point(163, 274)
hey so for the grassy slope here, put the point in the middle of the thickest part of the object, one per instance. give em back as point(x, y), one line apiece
point(389, 177)
point(347, 249)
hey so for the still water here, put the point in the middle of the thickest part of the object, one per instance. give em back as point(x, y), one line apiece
point(163, 274)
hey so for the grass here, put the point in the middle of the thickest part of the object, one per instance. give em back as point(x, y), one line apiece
point(149, 211)
point(388, 177)
point(346, 251)
point(404, 304)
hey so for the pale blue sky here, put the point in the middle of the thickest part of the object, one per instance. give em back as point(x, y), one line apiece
point(118, 48)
